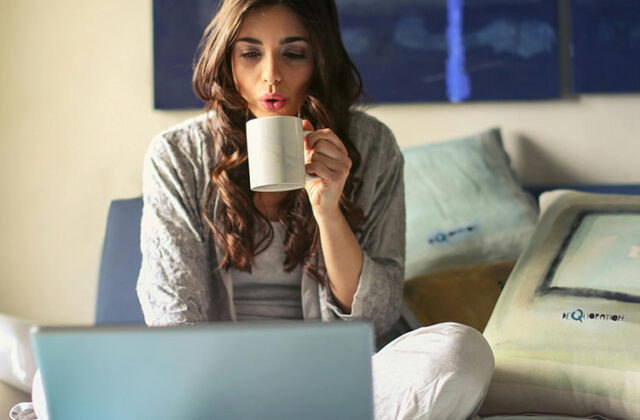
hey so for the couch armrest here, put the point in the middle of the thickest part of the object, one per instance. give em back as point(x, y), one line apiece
point(10, 396)
point(17, 364)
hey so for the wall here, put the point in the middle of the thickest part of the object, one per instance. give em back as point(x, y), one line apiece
point(76, 117)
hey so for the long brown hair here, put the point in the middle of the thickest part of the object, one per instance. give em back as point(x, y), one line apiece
point(239, 228)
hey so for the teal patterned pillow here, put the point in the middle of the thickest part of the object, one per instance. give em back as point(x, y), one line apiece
point(464, 205)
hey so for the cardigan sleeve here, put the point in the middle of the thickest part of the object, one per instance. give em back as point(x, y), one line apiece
point(378, 297)
point(173, 281)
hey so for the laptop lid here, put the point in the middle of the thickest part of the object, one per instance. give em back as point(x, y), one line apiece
point(280, 370)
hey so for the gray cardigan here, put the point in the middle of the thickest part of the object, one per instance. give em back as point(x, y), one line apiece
point(178, 281)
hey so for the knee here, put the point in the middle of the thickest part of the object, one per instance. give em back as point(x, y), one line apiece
point(469, 346)
point(467, 371)
point(38, 397)
point(436, 372)
point(456, 349)
point(448, 339)
point(470, 355)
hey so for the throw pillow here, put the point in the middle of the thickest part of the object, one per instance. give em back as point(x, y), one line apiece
point(566, 329)
point(464, 205)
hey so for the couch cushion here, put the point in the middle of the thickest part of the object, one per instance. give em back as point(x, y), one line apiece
point(465, 295)
point(566, 328)
point(464, 205)
point(117, 301)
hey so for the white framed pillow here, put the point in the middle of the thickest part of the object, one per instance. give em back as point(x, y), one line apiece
point(464, 205)
point(566, 329)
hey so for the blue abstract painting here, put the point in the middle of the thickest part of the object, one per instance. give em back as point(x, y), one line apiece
point(406, 50)
point(453, 50)
point(606, 45)
point(177, 28)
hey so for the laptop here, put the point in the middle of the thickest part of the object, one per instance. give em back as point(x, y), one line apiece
point(268, 370)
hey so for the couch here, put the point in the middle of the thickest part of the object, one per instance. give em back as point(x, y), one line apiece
point(117, 301)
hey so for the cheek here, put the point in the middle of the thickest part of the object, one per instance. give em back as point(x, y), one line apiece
point(240, 77)
point(234, 74)
point(304, 79)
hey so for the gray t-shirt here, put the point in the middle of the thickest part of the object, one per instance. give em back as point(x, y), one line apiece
point(178, 281)
point(268, 292)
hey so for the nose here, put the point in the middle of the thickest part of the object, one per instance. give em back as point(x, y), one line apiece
point(271, 73)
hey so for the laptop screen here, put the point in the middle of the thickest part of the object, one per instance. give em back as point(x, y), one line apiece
point(275, 370)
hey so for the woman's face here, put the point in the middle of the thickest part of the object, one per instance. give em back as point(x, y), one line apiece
point(272, 62)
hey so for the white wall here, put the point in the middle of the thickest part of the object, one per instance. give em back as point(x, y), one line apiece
point(595, 139)
point(76, 117)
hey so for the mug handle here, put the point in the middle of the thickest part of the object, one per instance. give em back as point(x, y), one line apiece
point(308, 177)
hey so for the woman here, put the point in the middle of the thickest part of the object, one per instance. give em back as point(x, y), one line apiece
point(213, 250)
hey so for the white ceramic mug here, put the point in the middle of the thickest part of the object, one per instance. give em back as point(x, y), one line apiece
point(275, 148)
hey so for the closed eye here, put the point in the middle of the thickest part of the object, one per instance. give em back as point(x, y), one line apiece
point(295, 55)
point(249, 54)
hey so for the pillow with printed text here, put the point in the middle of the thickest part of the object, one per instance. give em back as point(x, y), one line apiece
point(464, 205)
point(565, 331)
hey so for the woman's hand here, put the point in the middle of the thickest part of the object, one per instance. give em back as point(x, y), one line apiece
point(327, 158)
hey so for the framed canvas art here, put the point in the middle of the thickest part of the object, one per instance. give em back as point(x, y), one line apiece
point(606, 45)
point(453, 50)
point(405, 50)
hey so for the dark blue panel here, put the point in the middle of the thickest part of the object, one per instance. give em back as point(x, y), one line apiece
point(407, 50)
point(606, 45)
point(177, 28)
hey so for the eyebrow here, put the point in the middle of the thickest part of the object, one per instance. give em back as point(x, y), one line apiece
point(287, 40)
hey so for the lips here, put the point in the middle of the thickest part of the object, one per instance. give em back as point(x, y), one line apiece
point(272, 101)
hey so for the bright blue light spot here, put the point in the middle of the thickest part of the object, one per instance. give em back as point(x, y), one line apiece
point(458, 83)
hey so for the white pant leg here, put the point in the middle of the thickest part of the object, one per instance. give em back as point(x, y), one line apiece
point(439, 372)
point(38, 397)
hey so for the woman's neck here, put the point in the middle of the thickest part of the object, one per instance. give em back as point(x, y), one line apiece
point(268, 203)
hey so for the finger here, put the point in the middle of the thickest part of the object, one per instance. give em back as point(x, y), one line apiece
point(307, 126)
point(341, 166)
point(325, 147)
point(320, 170)
point(326, 134)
